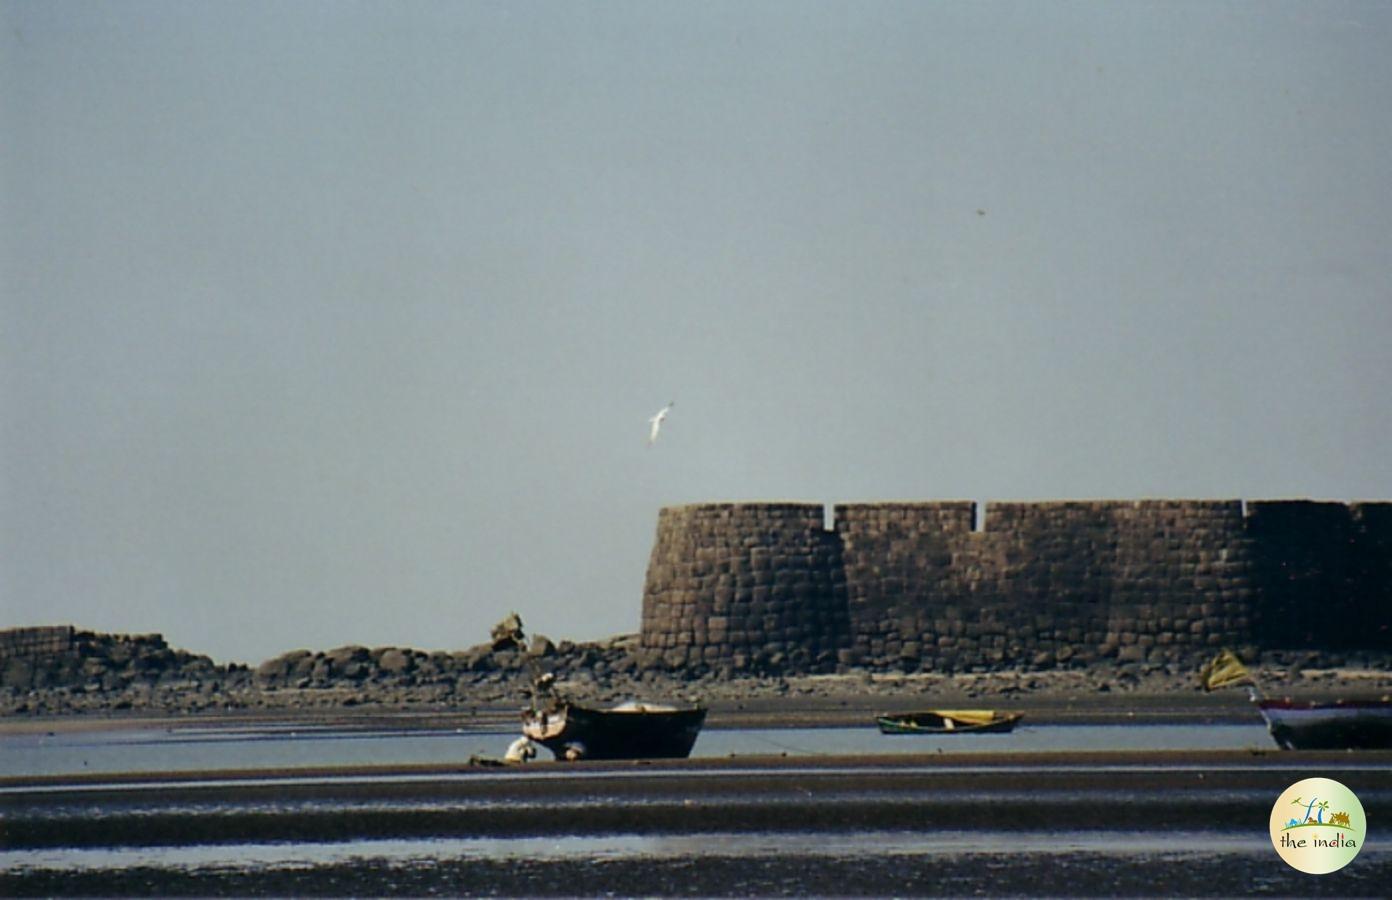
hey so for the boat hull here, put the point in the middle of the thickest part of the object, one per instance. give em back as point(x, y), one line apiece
point(1329, 726)
point(615, 734)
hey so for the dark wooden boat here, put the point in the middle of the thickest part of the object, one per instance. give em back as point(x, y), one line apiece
point(949, 721)
point(1334, 725)
point(628, 731)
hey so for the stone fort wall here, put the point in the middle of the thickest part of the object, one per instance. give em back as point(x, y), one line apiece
point(921, 586)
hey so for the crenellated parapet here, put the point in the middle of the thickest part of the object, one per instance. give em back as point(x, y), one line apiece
point(926, 585)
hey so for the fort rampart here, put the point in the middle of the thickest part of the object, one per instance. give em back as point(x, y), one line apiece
point(924, 586)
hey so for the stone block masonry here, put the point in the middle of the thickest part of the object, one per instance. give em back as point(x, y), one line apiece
point(743, 584)
point(43, 640)
point(917, 586)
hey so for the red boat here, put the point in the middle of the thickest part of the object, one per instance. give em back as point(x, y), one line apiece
point(1349, 724)
point(1335, 725)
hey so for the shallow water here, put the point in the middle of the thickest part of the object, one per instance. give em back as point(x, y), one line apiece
point(1025, 738)
point(202, 748)
point(1145, 826)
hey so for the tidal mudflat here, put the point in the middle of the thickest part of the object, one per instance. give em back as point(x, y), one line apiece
point(1120, 823)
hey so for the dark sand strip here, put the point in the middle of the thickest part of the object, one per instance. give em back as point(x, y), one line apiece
point(1184, 873)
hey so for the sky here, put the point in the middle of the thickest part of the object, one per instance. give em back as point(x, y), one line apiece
point(332, 323)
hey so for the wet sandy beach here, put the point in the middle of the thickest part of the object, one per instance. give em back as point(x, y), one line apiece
point(1078, 823)
point(1091, 824)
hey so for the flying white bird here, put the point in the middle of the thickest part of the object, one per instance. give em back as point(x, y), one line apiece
point(657, 420)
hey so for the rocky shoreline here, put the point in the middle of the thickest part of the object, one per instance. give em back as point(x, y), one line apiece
point(104, 674)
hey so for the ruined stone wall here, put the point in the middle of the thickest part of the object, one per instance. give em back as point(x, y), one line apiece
point(24, 643)
point(915, 585)
point(84, 661)
point(744, 585)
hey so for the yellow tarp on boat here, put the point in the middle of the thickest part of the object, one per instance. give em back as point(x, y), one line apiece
point(967, 716)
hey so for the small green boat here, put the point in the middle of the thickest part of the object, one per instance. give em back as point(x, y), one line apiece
point(949, 721)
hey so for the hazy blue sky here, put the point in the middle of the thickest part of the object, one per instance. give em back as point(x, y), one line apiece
point(332, 323)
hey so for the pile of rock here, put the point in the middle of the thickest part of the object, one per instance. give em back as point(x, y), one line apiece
point(65, 670)
point(57, 669)
point(60, 671)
